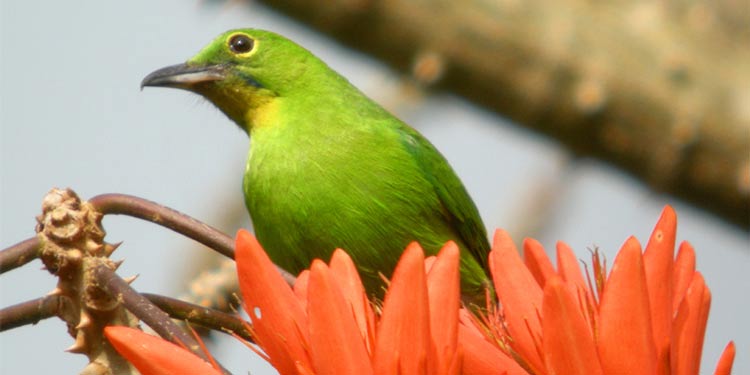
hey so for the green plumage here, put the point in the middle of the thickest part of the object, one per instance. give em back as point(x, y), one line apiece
point(328, 167)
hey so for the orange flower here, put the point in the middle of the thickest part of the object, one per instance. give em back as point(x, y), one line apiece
point(650, 307)
point(152, 355)
point(646, 316)
point(326, 325)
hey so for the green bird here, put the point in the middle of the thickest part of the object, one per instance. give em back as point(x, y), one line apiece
point(328, 167)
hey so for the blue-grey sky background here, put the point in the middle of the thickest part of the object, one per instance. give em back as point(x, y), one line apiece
point(72, 115)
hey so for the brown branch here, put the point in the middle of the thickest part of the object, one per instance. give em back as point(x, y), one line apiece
point(654, 88)
point(19, 254)
point(31, 312)
point(146, 311)
point(122, 204)
point(144, 209)
point(89, 295)
point(72, 245)
point(202, 316)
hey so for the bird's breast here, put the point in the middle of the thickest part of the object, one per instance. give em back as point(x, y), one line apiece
point(355, 192)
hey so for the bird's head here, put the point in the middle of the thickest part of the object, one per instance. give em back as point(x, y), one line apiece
point(242, 72)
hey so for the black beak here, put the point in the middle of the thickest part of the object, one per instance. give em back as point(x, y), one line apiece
point(184, 76)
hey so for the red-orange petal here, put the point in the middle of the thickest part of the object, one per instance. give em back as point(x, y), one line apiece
point(335, 341)
point(428, 262)
point(458, 360)
point(690, 327)
point(345, 271)
point(537, 261)
point(152, 355)
point(302, 369)
point(444, 290)
point(724, 367)
point(279, 323)
point(684, 269)
point(568, 342)
point(658, 259)
point(520, 296)
point(468, 320)
point(403, 335)
point(300, 288)
point(481, 357)
point(625, 337)
point(569, 267)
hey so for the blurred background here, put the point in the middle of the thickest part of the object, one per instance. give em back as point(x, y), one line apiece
point(72, 115)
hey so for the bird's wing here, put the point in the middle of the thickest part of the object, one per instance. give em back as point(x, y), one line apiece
point(460, 210)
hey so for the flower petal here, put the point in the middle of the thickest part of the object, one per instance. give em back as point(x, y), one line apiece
point(444, 290)
point(689, 328)
point(345, 271)
point(300, 288)
point(568, 341)
point(403, 342)
point(335, 342)
point(152, 355)
point(724, 367)
point(625, 329)
point(428, 262)
point(658, 259)
point(568, 267)
point(481, 357)
point(279, 323)
point(684, 270)
point(520, 296)
point(537, 261)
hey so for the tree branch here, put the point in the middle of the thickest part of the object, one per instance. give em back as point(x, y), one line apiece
point(203, 316)
point(657, 89)
point(146, 311)
point(31, 312)
point(19, 254)
point(144, 209)
point(121, 204)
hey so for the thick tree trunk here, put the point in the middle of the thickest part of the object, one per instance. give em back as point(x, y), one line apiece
point(659, 89)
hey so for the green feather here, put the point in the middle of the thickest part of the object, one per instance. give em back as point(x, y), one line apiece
point(329, 168)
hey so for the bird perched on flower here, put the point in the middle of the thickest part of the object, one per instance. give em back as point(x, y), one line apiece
point(328, 167)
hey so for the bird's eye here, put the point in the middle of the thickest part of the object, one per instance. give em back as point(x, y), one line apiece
point(241, 43)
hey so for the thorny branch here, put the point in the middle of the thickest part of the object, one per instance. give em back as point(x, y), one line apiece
point(90, 295)
point(121, 204)
point(146, 311)
point(36, 310)
point(202, 316)
point(31, 312)
point(19, 254)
